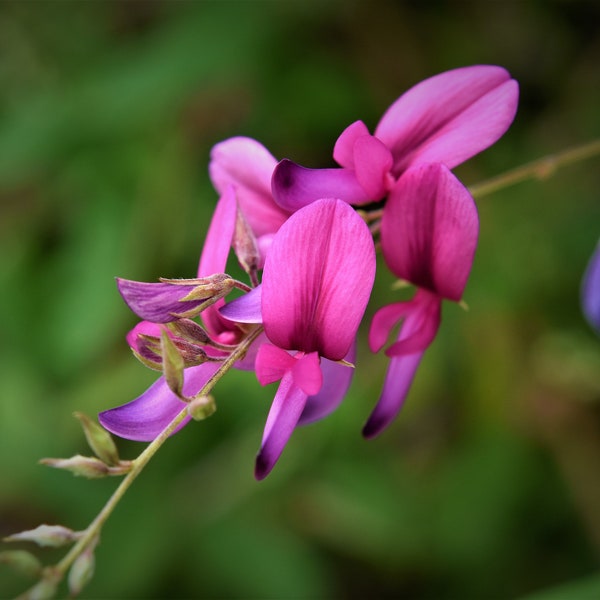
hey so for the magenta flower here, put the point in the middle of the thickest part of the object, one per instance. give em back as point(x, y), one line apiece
point(429, 234)
point(590, 291)
point(241, 171)
point(316, 284)
point(447, 118)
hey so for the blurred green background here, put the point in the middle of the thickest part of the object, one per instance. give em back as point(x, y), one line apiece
point(487, 486)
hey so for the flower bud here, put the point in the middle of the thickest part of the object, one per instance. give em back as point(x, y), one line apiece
point(82, 570)
point(190, 331)
point(99, 439)
point(202, 407)
point(171, 299)
point(245, 247)
point(46, 535)
point(22, 561)
point(84, 466)
point(42, 590)
point(172, 364)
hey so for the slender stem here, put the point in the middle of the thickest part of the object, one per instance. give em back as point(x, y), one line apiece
point(537, 169)
point(57, 572)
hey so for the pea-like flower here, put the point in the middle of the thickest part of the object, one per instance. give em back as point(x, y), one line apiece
point(316, 283)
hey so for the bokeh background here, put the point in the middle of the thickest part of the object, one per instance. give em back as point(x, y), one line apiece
point(487, 486)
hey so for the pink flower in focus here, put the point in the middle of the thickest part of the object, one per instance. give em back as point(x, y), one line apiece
point(317, 280)
point(447, 118)
point(429, 233)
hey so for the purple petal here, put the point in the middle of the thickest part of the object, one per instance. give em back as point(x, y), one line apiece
point(398, 380)
point(450, 117)
point(214, 256)
point(373, 162)
point(157, 302)
point(142, 328)
point(295, 187)
point(590, 291)
point(429, 230)
point(147, 416)
point(424, 315)
point(343, 151)
point(248, 166)
point(336, 381)
point(286, 409)
point(272, 363)
point(307, 373)
point(245, 309)
point(219, 236)
point(317, 279)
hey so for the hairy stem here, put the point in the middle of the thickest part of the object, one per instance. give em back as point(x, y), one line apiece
point(57, 572)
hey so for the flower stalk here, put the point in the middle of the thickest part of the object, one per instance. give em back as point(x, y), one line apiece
point(52, 575)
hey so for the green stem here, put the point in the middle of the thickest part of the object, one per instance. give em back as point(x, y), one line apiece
point(57, 572)
point(538, 169)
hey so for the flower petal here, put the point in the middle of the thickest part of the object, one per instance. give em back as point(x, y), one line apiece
point(307, 373)
point(590, 291)
point(398, 380)
point(336, 381)
point(147, 416)
point(373, 162)
point(449, 117)
point(248, 166)
point(429, 230)
point(317, 279)
point(214, 258)
point(272, 363)
point(142, 328)
point(286, 409)
point(157, 302)
point(343, 151)
point(245, 309)
point(295, 187)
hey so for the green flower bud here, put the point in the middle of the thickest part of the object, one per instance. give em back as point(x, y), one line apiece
point(99, 439)
point(173, 364)
point(201, 407)
point(43, 590)
point(22, 561)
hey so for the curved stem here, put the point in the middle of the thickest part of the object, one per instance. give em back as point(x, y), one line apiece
point(56, 572)
point(537, 169)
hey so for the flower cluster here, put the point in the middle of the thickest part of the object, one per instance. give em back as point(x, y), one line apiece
point(306, 239)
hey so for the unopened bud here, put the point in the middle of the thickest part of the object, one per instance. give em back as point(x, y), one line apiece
point(46, 535)
point(172, 364)
point(190, 331)
point(22, 561)
point(99, 439)
point(82, 570)
point(245, 246)
point(83, 466)
point(201, 407)
point(42, 590)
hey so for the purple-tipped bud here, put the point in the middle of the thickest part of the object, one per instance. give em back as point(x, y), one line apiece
point(171, 299)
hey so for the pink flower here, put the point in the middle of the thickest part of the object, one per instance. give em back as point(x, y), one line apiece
point(241, 171)
point(429, 234)
point(316, 284)
point(447, 118)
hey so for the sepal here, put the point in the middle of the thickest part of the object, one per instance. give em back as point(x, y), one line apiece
point(99, 439)
point(46, 535)
point(87, 466)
